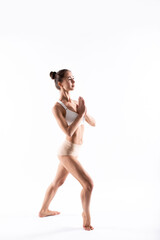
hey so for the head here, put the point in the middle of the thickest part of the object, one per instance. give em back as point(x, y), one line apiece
point(63, 79)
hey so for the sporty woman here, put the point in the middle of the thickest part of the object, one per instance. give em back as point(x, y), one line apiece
point(70, 116)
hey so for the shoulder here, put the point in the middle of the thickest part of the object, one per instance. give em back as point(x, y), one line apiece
point(57, 108)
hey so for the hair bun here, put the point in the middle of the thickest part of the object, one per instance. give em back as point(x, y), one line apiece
point(52, 75)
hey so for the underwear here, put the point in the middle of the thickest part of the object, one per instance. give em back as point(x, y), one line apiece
point(70, 115)
point(69, 148)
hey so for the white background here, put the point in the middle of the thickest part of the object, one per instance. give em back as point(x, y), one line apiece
point(113, 50)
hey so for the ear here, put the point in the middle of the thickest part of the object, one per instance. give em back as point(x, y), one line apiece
point(59, 84)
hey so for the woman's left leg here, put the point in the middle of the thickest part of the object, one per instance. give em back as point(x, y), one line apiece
point(74, 167)
point(51, 191)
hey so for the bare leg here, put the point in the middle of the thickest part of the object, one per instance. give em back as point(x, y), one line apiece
point(74, 167)
point(51, 191)
point(85, 198)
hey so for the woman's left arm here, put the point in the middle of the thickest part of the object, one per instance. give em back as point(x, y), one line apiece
point(91, 121)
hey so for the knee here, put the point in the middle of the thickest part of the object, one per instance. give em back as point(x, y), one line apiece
point(89, 186)
point(60, 182)
point(57, 183)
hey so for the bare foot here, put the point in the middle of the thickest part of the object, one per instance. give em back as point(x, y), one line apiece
point(86, 222)
point(47, 212)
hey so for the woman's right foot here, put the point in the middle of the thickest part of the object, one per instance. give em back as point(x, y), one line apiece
point(47, 212)
point(86, 222)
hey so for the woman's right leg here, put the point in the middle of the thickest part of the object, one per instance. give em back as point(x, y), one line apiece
point(74, 167)
point(51, 191)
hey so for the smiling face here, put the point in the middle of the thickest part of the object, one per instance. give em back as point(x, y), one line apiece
point(68, 82)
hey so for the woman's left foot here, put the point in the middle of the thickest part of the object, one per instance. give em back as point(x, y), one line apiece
point(47, 212)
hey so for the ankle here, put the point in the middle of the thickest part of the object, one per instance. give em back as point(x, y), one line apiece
point(43, 210)
point(86, 214)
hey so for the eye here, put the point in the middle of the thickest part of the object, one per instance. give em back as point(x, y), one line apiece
point(70, 78)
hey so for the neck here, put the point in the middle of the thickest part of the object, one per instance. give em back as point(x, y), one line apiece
point(65, 96)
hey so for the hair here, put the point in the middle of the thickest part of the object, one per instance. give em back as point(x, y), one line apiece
point(58, 76)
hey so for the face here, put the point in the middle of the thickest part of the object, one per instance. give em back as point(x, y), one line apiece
point(68, 81)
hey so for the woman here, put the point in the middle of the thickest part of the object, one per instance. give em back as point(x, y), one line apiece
point(70, 116)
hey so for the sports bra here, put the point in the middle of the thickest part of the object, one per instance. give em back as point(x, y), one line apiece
point(70, 115)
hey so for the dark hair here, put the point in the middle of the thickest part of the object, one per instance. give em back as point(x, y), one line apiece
point(58, 76)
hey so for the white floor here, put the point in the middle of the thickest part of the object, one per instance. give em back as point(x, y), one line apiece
point(109, 225)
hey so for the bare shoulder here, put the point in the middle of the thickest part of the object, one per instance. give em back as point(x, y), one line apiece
point(57, 108)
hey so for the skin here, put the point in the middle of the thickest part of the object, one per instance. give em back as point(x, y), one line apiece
point(70, 164)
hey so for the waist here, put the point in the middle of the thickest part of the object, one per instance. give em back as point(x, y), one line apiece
point(74, 141)
point(77, 137)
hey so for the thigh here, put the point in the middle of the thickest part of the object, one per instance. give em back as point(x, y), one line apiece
point(61, 174)
point(74, 167)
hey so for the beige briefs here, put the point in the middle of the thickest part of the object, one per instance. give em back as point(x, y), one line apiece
point(69, 148)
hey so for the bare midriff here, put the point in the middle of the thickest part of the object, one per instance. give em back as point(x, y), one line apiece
point(77, 137)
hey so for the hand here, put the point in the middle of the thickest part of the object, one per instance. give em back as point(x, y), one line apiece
point(81, 108)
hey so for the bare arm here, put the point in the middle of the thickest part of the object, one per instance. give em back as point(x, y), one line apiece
point(91, 121)
point(69, 130)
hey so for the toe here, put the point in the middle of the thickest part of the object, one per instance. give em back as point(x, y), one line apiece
point(87, 228)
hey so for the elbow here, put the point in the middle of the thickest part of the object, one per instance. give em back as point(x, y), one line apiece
point(93, 123)
point(69, 133)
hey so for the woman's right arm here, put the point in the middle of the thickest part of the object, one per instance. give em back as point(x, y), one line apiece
point(69, 130)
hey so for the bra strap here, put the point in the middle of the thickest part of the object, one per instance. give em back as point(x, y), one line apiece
point(62, 104)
